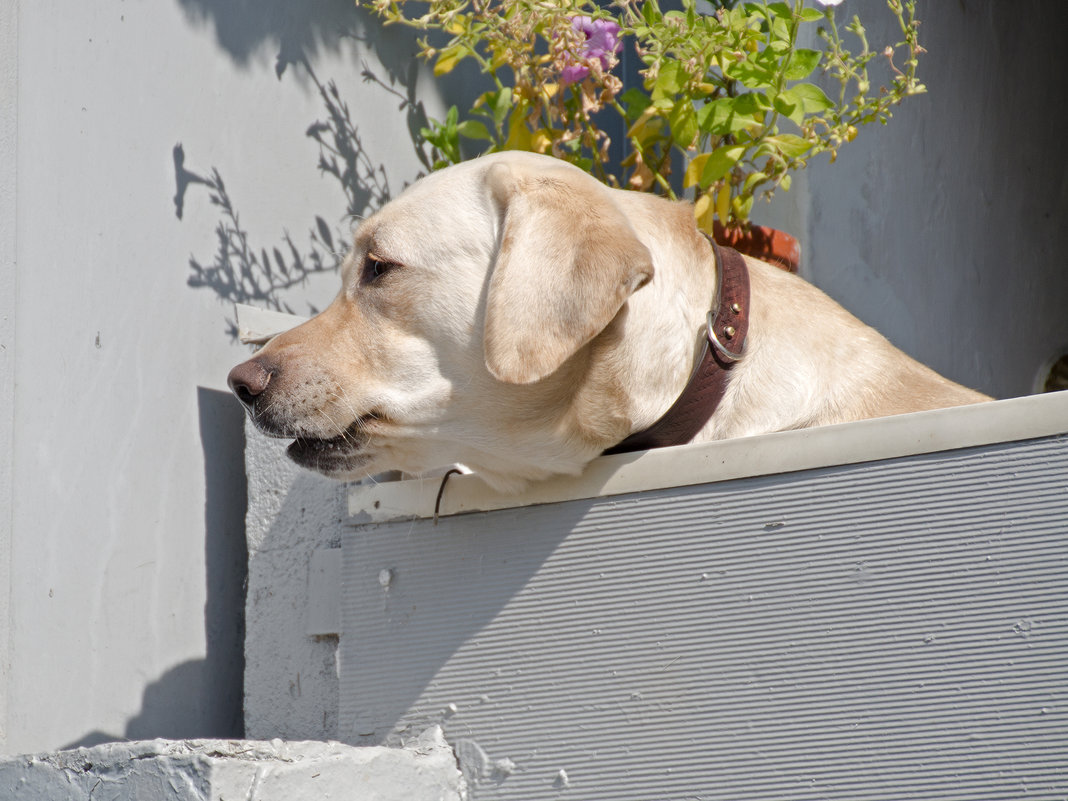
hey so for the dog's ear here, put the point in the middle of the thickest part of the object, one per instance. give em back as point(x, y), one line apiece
point(568, 260)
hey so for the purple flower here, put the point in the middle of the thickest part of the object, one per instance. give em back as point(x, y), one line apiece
point(602, 42)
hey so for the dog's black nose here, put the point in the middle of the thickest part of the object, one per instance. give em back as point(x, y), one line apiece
point(248, 381)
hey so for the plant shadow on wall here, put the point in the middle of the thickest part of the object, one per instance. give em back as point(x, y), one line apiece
point(241, 271)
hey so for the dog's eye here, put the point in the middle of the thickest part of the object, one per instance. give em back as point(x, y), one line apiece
point(374, 268)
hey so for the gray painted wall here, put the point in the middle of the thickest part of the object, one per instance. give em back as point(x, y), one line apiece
point(8, 89)
point(946, 229)
point(121, 522)
point(121, 494)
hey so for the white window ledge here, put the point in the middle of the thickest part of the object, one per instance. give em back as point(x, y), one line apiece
point(1011, 420)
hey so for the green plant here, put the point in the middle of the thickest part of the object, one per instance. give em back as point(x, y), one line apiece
point(731, 96)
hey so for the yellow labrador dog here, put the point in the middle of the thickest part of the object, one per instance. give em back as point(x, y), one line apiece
point(515, 315)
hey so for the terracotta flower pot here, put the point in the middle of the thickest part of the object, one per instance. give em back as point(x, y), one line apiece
point(773, 246)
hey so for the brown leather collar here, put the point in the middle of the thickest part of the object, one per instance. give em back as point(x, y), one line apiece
point(724, 342)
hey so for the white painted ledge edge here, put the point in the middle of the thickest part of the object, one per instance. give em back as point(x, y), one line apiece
point(256, 326)
point(1011, 420)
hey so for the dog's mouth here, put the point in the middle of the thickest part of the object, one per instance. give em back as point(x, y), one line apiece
point(332, 454)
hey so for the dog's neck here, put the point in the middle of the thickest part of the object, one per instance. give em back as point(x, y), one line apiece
point(724, 340)
point(660, 325)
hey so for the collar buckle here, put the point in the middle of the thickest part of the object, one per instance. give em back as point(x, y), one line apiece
point(708, 382)
point(728, 332)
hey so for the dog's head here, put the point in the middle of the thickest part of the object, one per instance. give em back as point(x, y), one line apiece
point(473, 311)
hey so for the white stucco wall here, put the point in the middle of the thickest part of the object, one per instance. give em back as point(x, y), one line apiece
point(121, 475)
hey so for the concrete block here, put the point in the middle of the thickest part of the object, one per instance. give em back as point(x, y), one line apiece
point(290, 675)
point(228, 770)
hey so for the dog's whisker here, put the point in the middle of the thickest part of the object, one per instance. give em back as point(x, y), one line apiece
point(332, 423)
point(344, 398)
point(266, 411)
point(357, 421)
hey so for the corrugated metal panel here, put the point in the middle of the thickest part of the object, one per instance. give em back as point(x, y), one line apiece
point(887, 630)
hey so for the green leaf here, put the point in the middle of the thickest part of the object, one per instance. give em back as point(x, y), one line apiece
point(780, 10)
point(751, 103)
point(720, 162)
point(473, 129)
point(750, 75)
point(789, 145)
point(741, 207)
point(789, 106)
point(753, 10)
point(443, 137)
point(634, 102)
point(449, 58)
point(725, 116)
point(801, 100)
point(650, 12)
point(811, 15)
point(758, 71)
point(801, 64)
point(780, 32)
point(683, 122)
point(811, 98)
point(501, 105)
point(694, 170)
point(752, 180)
point(669, 80)
point(648, 129)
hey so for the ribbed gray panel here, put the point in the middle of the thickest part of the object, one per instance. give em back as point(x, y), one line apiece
point(888, 630)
